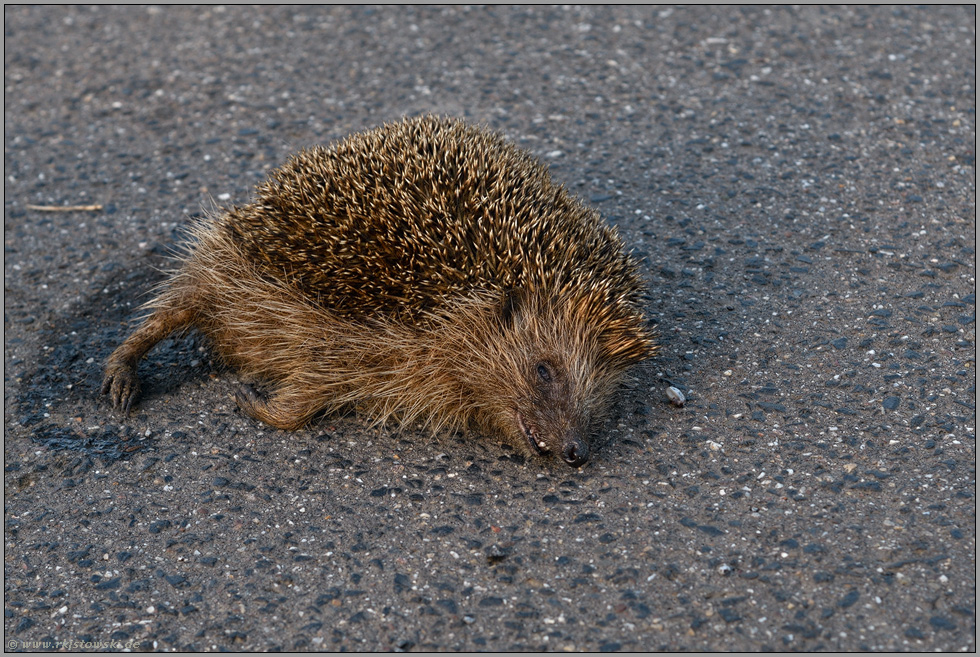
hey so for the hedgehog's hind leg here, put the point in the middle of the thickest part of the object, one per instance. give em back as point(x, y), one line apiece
point(284, 409)
point(121, 382)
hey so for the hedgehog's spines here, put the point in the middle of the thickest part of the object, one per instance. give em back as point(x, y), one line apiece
point(425, 214)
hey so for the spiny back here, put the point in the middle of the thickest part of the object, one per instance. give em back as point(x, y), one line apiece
point(402, 220)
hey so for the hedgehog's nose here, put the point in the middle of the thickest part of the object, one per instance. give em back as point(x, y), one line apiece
point(575, 452)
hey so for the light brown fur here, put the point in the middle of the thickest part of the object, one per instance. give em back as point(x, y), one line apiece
point(422, 272)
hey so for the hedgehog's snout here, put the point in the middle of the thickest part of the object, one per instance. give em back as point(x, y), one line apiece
point(575, 451)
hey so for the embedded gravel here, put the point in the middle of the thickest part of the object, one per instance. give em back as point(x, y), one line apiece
point(799, 183)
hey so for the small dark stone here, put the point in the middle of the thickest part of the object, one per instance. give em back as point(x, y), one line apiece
point(109, 584)
point(586, 517)
point(138, 585)
point(891, 403)
point(710, 530)
point(849, 599)
point(839, 343)
point(331, 594)
point(942, 623)
point(448, 605)
point(218, 482)
point(175, 580)
point(75, 555)
point(158, 525)
point(491, 601)
point(729, 615)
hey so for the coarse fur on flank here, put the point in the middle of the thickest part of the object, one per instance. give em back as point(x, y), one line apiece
point(425, 271)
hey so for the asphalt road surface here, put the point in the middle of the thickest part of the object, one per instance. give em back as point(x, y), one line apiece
point(800, 186)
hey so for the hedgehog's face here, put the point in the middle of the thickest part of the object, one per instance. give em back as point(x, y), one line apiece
point(552, 415)
point(551, 390)
point(541, 372)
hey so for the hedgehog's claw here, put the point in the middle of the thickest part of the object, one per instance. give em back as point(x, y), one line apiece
point(122, 385)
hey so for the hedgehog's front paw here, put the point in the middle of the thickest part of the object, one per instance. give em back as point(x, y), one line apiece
point(122, 385)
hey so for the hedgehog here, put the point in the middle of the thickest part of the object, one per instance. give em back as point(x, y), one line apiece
point(425, 272)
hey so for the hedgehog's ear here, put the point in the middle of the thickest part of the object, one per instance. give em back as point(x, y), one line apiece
point(510, 306)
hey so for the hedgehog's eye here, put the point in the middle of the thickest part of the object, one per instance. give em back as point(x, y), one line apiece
point(544, 372)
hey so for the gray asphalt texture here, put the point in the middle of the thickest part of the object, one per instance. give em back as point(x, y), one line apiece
point(799, 184)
